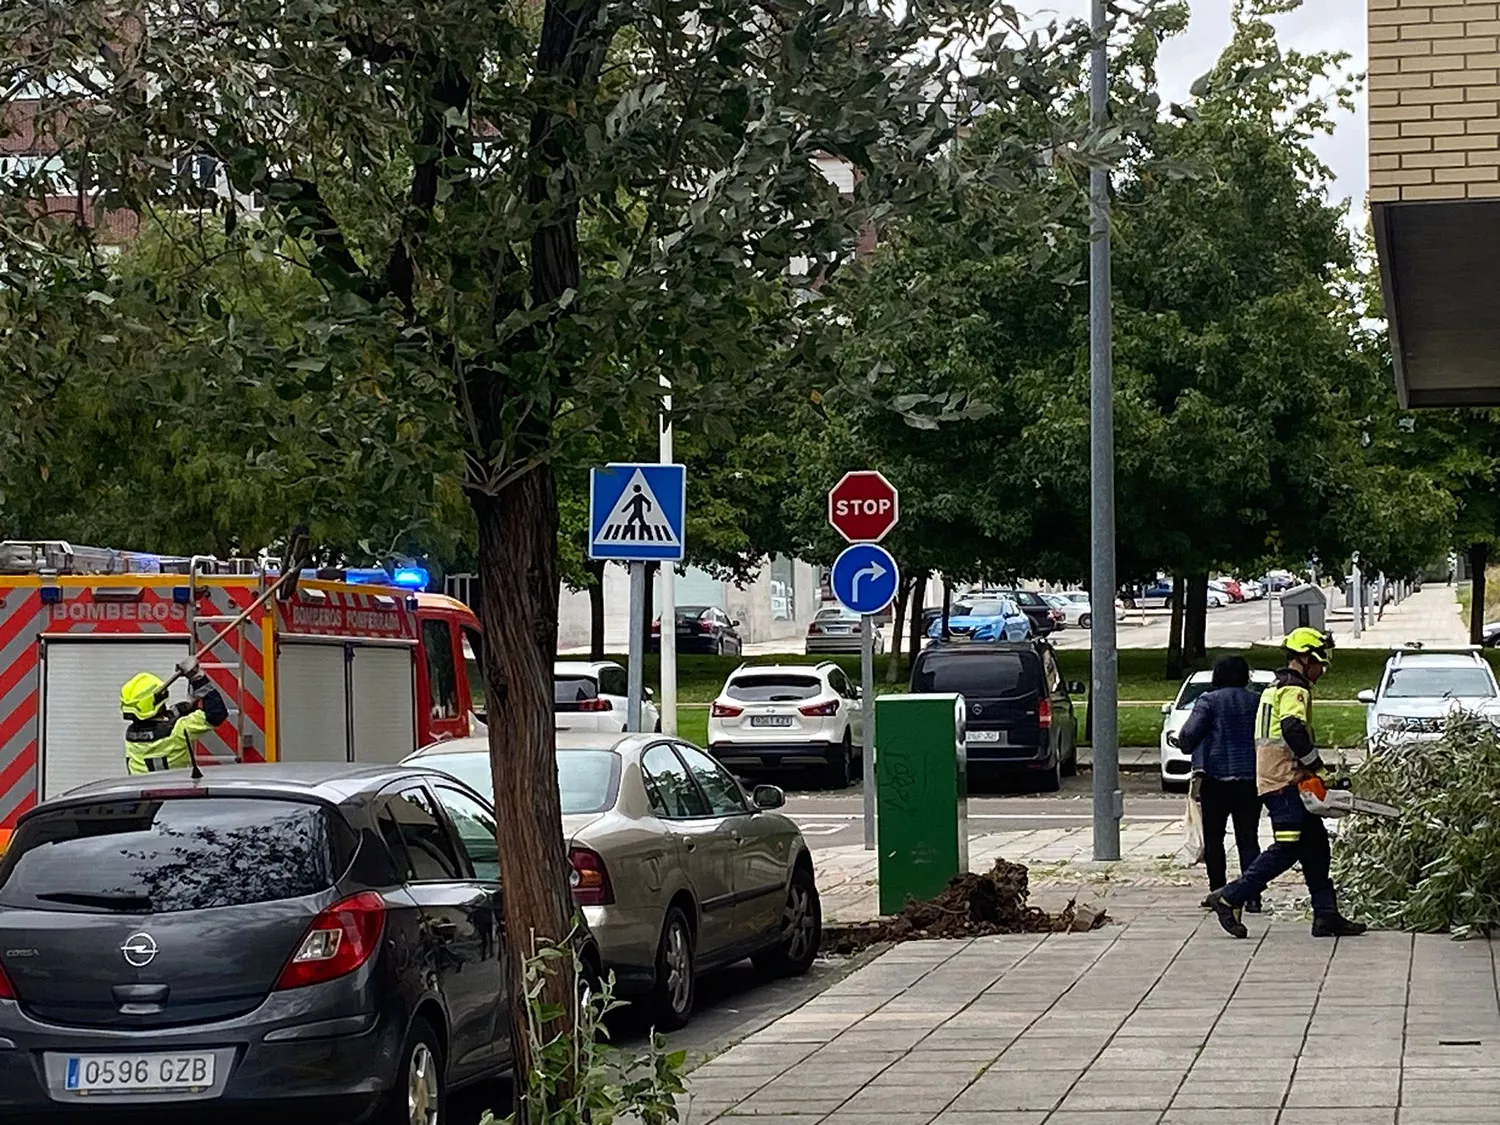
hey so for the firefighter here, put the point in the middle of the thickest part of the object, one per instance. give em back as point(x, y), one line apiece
point(161, 737)
point(1284, 756)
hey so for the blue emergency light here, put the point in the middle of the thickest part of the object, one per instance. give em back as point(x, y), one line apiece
point(410, 577)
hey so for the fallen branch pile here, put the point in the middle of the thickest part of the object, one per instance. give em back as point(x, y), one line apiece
point(970, 906)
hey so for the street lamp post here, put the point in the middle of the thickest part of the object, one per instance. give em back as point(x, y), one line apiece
point(1104, 699)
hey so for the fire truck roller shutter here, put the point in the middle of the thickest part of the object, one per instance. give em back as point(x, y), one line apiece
point(312, 702)
point(385, 702)
point(83, 735)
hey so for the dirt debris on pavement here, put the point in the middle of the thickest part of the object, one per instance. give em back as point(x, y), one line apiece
point(970, 906)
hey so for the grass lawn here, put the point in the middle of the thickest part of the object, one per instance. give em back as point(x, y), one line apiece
point(1337, 724)
point(1142, 671)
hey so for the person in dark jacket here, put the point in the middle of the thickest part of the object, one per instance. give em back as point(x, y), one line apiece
point(1220, 736)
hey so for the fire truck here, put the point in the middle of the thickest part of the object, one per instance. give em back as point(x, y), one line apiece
point(354, 666)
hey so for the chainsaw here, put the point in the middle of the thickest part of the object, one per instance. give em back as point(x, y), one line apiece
point(1320, 800)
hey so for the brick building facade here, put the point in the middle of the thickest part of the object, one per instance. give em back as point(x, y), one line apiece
point(1434, 111)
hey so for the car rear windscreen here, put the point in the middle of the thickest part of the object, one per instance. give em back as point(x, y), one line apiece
point(574, 689)
point(773, 688)
point(162, 856)
point(588, 780)
point(984, 675)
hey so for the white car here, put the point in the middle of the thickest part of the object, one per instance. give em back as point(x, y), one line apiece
point(1419, 689)
point(594, 695)
point(774, 716)
point(1078, 611)
point(1218, 595)
point(1177, 763)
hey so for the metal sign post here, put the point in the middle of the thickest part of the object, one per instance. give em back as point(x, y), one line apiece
point(867, 703)
point(863, 507)
point(864, 580)
point(637, 515)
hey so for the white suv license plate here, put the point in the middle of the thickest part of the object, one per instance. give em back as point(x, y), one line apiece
point(770, 720)
point(986, 736)
point(139, 1074)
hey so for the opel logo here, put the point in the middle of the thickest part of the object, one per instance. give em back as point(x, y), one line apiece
point(139, 950)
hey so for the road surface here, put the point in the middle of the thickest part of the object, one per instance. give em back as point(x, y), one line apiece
point(831, 820)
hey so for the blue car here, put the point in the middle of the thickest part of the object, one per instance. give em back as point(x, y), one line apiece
point(997, 619)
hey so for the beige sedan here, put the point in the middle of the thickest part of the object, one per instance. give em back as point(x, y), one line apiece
point(675, 868)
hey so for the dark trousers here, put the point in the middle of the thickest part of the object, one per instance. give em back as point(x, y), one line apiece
point(1298, 837)
point(1223, 801)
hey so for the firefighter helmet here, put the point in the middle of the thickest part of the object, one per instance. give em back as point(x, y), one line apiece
point(139, 697)
point(1311, 642)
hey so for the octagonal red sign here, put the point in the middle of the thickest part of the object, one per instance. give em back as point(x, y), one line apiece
point(864, 506)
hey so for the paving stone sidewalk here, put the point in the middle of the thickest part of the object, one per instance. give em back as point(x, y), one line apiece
point(1162, 1021)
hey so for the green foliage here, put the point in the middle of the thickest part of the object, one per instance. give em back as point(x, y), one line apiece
point(576, 1077)
point(1434, 869)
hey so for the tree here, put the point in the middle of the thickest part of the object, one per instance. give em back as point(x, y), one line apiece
point(521, 218)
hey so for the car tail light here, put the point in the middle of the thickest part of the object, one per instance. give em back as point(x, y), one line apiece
point(656, 625)
point(821, 710)
point(1044, 714)
point(595, 705)
point(6, 991)
point(589, 878)
point(811, 629)
point(340, 940)
point(705, 626)
point(725, 711)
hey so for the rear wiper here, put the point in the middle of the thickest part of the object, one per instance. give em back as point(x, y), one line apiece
point(125, 904)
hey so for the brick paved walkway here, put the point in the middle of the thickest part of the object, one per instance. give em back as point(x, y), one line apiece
point(1163, 1021)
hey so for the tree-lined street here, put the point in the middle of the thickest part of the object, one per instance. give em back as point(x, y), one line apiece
point(381, 291)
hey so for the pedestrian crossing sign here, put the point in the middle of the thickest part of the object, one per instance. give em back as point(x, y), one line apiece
point(636, 512)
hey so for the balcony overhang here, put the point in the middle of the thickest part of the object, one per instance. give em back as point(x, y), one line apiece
point(1440, 272)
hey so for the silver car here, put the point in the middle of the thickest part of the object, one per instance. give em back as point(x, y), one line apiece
point(676, 870)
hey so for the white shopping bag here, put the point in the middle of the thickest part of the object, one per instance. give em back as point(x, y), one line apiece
point(1191, 852)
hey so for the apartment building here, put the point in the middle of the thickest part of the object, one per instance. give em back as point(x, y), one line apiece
point(1434, 108)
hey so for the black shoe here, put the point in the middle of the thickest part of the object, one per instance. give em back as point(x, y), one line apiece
point(1336, 925)
point(1229, 916)
point(1253, 906)
point(1208, 900)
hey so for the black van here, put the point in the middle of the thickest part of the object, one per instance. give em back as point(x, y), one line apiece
point(1019, 710)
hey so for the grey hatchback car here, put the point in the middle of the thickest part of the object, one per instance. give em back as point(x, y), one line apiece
point(676, 869)
point(271, 937)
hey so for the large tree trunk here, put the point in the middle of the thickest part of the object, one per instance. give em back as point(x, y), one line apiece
point(898, 621)
point(1479, 560)
point(1174, 630)
point(917, 609)
point(518, 610)
point(596, 611)
point(1195, 625)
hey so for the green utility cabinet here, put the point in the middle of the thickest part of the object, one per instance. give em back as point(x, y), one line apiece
point(921, 796)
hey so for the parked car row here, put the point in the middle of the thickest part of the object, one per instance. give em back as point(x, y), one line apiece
point(288, 937)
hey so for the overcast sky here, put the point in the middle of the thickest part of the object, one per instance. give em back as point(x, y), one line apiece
point(1319, 25)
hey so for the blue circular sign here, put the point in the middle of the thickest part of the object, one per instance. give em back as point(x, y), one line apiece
point(865, 578)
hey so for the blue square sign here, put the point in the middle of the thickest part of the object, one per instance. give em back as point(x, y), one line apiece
point(637, 512)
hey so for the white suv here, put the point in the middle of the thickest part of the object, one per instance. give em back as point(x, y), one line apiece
point(594, 695)
point(1420, 688)
point(790, 715)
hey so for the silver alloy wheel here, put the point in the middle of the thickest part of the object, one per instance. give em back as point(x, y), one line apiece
point(797, 922)
point(679, 960)
point(422, 1091)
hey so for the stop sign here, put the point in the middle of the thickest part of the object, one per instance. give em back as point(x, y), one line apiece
point(863, 506)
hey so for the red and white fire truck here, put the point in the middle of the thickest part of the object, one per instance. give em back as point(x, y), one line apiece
point(352, 667)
